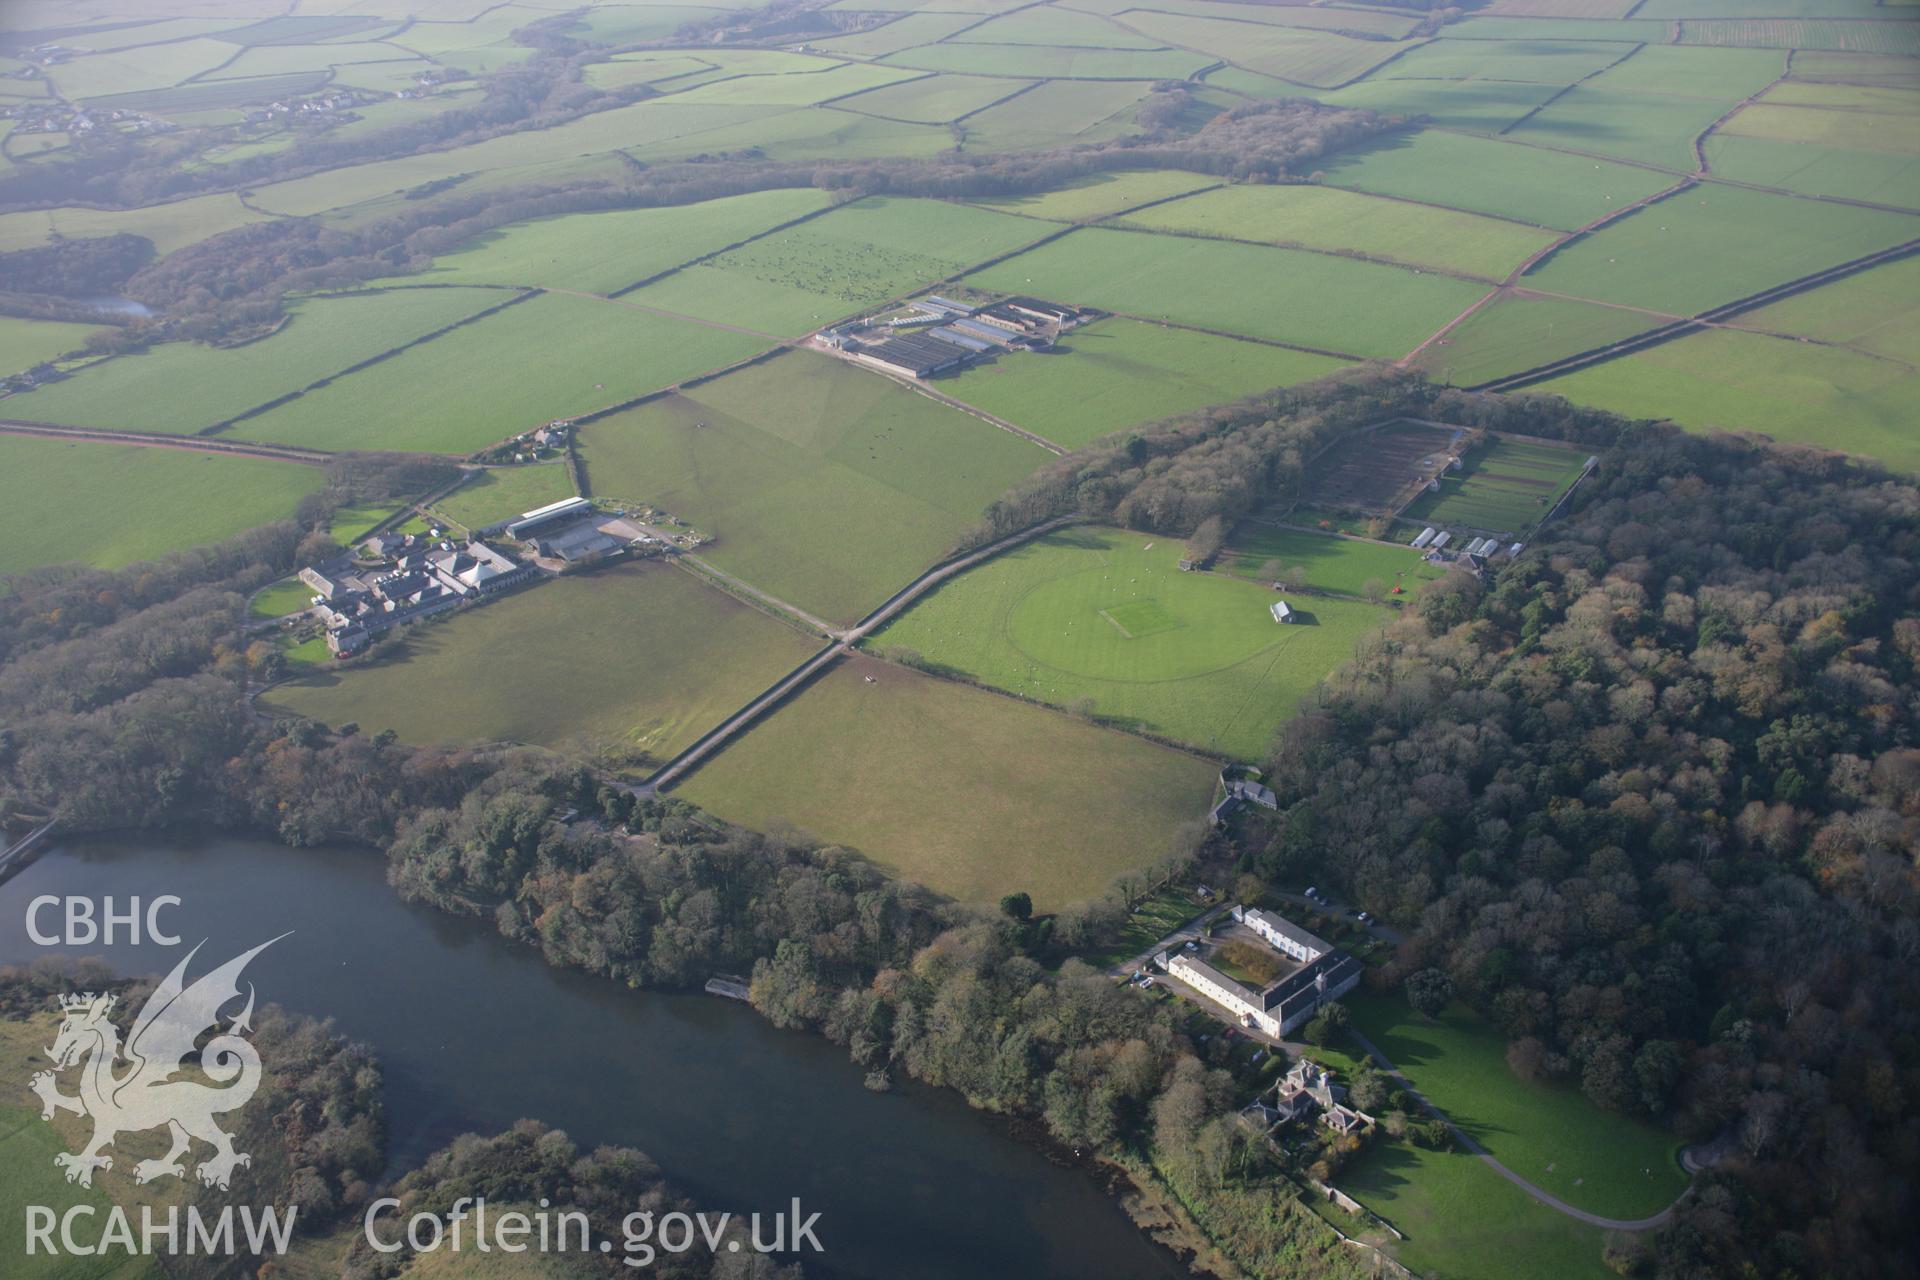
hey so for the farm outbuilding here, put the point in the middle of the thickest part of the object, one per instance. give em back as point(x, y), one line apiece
point(1281, 611)
point(1426, 536)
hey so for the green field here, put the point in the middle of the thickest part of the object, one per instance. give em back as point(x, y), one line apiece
point(1100, 195)
point(1506, 487)
point(1330, 219)
point(1511, 181)
point(1285, 295)
point(1881, 177)
point(168, 226)
point(1463, 1219)
point(1877, 311)
point(835, 265)
point(499, 492)
point(969, 793)
point(25, 343)
point(1713, 244)
point(1520, 331)
point(1530, 60)
point(800, 89)
point(643, 123)
point(602, 252)
point(1057, 113)
point(554, 356)
point(934, 99)
point(1052, 61)
point(826, 485)
point(350, 524)
point(110, 505)
point(1107, 616)
point(289, 595)
point(1827, 396)
point(1318, 58)
point(151, 67)
point(1633, 124)
point(1116, 374)
point(1478, 106)
point(1049, 25)
point(1849, 128)
point(1552, 1136)
point(1343, 565)
point(906, 32)
point(184, 387)
point(630, 663)
point(29, 1176)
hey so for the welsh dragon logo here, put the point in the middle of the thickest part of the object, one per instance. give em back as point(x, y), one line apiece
point(148, 1095)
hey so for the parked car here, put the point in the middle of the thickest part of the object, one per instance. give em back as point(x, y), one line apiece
point(1364, 918)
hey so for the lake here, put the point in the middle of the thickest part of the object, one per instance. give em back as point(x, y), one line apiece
point(475, 1032)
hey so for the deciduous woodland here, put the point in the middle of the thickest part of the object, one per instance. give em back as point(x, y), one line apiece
point(1205, 576)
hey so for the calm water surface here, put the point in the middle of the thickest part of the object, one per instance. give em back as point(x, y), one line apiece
point(474, 1032)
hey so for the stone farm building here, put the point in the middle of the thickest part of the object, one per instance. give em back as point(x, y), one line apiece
point(1320, 975)
point(414, 580)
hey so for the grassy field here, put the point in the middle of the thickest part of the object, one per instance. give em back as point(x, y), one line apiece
point(934, 99)
point(1511, 181)
point(1505, 487)
point(25, 343)
point(1849, 128)
point(631, 663)
point(633, 126)
point(1478, 106)
point(967, 792)
point(601, 252)
point(1116, 374)
point(1047, 62)
point(152, 67)
point(1529, 60)
point(1878, 176)
point(185, 386)
point(1877, 311)
point(1056, 113)
point(1826, 396)
point(110, 505)
point(1550, 1135)
point(1332, 564)
point(1520, 332)
point(350, 524)
point(1100, 195)
point(1050, 25)
point(1631, 123)
point(1316, 58)
point(1727, 75)
point(499, 492)
point(1711, 245)
point(1286, 295)
point(1331, 219)
point(1461, 1218)
point(800, 89)
point(909, 31)
point(1107, 616)
point(554, 356)
point(836, 265)
point(290, 595)
point(824, 484)
point(803, 133)
point(1798, 33)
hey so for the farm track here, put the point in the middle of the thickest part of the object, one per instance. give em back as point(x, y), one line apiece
point(1704, 320)
point(843, 644)
point(156, 440)
point(1512, 280)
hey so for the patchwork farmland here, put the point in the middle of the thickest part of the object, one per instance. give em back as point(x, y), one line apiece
point(1022, 608)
